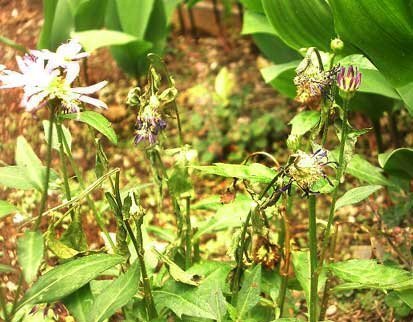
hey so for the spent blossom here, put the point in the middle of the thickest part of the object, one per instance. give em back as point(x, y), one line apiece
point(44, 80)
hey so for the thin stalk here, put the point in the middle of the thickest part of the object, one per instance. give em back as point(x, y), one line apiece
point(3, 305)
point(188, 234)
point(89, 200)
point(312, 226)
point(340, 171)
point(138, 245)
point(287, 255)
point(240, 253)
point(60, 135)
point(48, 163)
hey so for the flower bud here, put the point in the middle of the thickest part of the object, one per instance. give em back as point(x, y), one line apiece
point(336, 45)
point(348, 81)
point(133, 98)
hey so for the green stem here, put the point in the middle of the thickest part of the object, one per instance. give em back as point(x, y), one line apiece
point(3, 305)
point(48, 163)
point(312, 226)
point(188, 235)
point(138, 245)
point(60, 135)
point(90, 202)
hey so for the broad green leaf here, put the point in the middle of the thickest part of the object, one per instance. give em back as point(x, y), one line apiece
point(398, 162)
point(68, 277)
point(78, 303)
point(212, 271)
point(281, 77)
point(30, 248)
point(95, 120)
point(304, 121)
point(274, 49)
point(63, 24)
point(224, 84)
point(134, 16)
point(253, 5)
point(249, 295)
point(94, 39)
point(16, 177)
point(363, 170)
point(301, 23)
point(256, 23)
point(55, 139)
point(90, 14)
point(407, 297)
point(6, 208)
point(179, 181)
point(254, 172)
point(228, 216)
point(373, 80)
point(356, 195)
point(301, 262)
point(362, 23)
point(49, 9)
point(369, 274)
point(116, 295)
point(58, 248)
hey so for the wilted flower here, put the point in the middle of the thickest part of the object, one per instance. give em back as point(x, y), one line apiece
point(148, 126)
point(348, 81)
point(44, 81)
point(313, 83)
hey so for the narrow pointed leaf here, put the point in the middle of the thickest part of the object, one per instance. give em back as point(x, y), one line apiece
point(249, 295)
point(356, 195)
point(30, 248)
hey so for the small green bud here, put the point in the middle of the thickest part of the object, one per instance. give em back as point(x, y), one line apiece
point(337, 45)
point(133, 98)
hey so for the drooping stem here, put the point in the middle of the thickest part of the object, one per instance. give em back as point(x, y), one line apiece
point(188, 234)
point(48, 163)
point(138, 245)
point(60, 135)
point(312, 226)
point(90, 202)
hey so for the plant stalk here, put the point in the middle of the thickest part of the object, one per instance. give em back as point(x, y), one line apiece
point(312, 225)
point(188, 234)
point(48, 164)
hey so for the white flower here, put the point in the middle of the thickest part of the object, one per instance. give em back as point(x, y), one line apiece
point(66, 56)
point(41, 83)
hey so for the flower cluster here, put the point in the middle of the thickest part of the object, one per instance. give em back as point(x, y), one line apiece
point(150, 120)
point(47, 76)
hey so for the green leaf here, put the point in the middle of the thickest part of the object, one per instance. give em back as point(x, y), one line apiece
point(369, 274)
point(30, 248)
point(179, 181)
point(61, 26)
point(407, 297)
point(224, 84)
point(95, 120)
point(228, 216)
point(79, 303)
point(249, 295)
point(256, 23)
point(134, 16)
point(90, 14)
point(254, 172)
point(116, 295)
point(68, 277)
point(301, 23)
point(304, 121)
point(253, 5)
point(281, 77)
point(49, 9)
point(373, 81)
point(398, 162)
point(16, 177)
point(363, 170)
point(356, 195)
point(6, 268)
point(94, 39)
point(55, 139)
point(362, 23)
point(6, 208)
point(301, 262)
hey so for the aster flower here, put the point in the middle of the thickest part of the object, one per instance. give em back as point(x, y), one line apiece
point(348, 81)
point(67, 56)
point(148, 126)
point(41, 83)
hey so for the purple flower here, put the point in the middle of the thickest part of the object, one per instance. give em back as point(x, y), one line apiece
point(349, 80)
point(148, 127)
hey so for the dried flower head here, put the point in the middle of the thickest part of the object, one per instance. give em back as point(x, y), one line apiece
point(349, 80)
point(313, 83)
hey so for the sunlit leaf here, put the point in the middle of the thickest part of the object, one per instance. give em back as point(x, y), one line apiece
point(78, 303)
point(398, 162)
point(249, 295)
point(356, 195)
point(30, 248)
point(304, 122)
point(6, 208)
